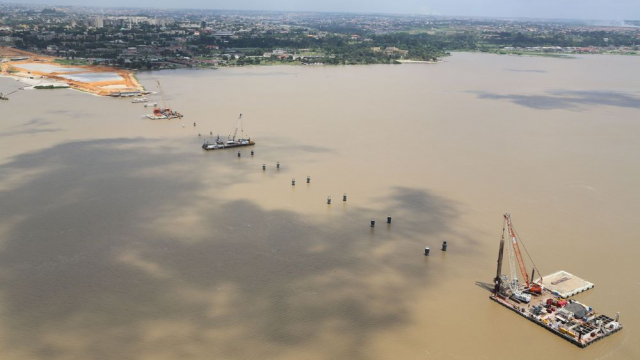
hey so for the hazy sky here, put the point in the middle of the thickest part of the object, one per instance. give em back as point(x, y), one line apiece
point(567, 9)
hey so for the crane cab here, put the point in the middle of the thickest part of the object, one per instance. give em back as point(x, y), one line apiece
point(535, 289)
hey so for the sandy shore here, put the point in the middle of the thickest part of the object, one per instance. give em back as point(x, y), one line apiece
point(33, 82)
point(55, 74)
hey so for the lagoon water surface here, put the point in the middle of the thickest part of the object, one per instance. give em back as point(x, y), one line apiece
point(121, 239)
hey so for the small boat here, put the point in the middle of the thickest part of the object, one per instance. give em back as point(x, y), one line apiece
point(231, 142)
point(2, 97)
point(138, 101)
point(150, 104)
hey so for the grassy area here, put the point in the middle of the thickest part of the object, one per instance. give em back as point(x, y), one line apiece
point(621, 53)
point(310, 53)
point(71, 62)
point(278, 62)
point(420, 31)
point(534, 53)
point(501, 51)
point(48, 87)
point(269, 62)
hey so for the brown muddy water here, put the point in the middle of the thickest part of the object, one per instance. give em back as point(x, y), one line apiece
point(121, 239)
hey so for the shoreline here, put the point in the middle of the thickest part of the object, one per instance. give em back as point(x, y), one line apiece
point(129, 81)
point(420, 61)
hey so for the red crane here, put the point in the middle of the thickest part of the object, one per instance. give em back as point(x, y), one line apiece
point(533, 287)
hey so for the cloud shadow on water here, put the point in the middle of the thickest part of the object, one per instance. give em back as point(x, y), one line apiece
point(33, 126)
point(566, 99)
point(88, 271)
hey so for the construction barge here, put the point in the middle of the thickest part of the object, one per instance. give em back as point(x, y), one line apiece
point(164, 112)
point(545, 301)
point(231, 141)
point(221, 145)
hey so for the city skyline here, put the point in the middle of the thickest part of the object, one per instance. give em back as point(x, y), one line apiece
point(616, 10)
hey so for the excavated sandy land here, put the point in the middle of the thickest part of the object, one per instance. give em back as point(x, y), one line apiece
point(121, 80)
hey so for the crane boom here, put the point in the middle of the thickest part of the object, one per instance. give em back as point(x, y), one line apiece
point(164, 99)
point(498, 280)
point(235, 131)
point(516, 249)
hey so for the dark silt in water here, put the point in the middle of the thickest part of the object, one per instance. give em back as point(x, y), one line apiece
point(121, 239)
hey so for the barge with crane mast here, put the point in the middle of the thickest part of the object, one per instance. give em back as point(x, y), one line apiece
point(545, 301)
point(231, 141)
point(164, 112)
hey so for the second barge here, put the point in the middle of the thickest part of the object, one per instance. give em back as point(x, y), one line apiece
point(231, 142)
point(220, 145)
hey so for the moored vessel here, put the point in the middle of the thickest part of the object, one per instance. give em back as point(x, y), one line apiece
point(547, 304)
point(231, 142)
point(165, 112)
point(159, 114)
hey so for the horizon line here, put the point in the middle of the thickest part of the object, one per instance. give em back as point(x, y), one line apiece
point(124, 7)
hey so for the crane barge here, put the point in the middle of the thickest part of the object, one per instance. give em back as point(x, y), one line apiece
point(165, 111)
point(547, 305)
point(232, 140)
